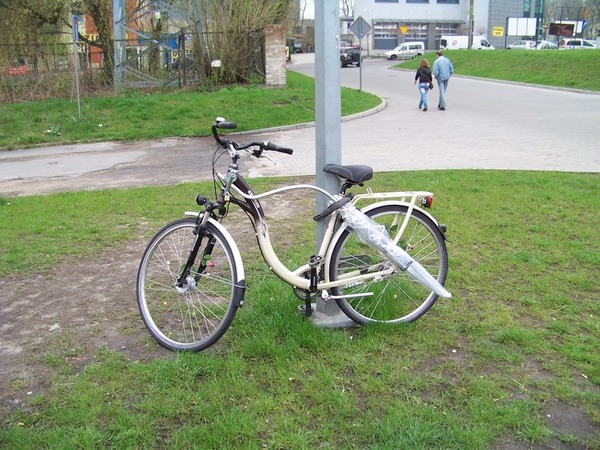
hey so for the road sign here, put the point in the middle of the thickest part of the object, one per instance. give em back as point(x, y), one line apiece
point(498, 31)
point(403, 29)
point(360, 28)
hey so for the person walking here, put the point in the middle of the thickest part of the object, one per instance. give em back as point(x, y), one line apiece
point(425, 80)
point(442, 71)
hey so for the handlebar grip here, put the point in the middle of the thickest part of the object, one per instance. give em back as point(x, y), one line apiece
point(226, 125)
point(268, 145)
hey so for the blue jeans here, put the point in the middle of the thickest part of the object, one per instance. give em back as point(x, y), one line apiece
point(423, 88)
point(442, 86)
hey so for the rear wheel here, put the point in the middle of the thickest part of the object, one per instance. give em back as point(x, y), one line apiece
point(394, 297)
point(195, 315)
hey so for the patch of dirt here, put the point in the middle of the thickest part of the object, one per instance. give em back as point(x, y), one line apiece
point(68, 314)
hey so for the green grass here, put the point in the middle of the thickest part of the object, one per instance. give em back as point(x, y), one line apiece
point(139, 115)
point(521, 334)
point(559, 68)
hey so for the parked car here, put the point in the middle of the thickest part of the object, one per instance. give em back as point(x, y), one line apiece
point(576, 43)
point(546, 45)
point(522, 45)
point(408, 50)
point(350, 56)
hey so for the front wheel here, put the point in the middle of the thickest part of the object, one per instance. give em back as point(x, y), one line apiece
point(195, 314)
point(392, 297)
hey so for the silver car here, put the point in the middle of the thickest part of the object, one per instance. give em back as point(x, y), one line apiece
point(577, 43)
point(522, 45)
point(546, 45)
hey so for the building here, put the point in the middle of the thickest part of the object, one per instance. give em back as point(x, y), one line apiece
point(396, 21)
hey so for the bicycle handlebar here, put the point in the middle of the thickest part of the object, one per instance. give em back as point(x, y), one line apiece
point(225, 143)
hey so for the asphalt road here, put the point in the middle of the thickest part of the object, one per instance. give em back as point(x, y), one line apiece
point(487, 125)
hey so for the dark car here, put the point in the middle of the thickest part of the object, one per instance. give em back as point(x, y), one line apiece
point(350, 56)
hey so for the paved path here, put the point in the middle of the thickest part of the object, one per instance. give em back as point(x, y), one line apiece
point(488, 125)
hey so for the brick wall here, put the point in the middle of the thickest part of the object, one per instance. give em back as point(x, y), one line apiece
point(275, 55)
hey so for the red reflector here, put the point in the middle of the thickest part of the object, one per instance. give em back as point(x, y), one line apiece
point(427, 201)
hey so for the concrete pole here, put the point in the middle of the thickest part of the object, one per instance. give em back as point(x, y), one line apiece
point(120, 46)
point(328, 115)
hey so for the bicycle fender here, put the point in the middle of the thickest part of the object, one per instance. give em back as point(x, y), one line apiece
point(397, 202)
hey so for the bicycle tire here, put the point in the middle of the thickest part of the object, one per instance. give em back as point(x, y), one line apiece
point(198, 315)
point(396, 298)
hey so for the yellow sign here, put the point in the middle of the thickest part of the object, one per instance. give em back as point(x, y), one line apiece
point(403, 29)
point(498, 31)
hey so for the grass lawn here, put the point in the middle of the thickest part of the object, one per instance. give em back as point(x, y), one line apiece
point(137, 115)
point(559, 68)
point(512, 359)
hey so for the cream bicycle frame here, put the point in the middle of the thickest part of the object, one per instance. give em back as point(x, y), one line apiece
point(295, 278)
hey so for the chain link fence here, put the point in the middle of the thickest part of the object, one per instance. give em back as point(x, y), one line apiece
point(45, 70)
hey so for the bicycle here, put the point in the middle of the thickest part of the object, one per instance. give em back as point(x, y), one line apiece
point(191, 278)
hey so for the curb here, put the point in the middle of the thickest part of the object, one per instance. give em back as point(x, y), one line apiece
point(300, 126)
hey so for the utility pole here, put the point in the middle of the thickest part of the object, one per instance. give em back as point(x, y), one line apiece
point(328, 118)
point(471, 22)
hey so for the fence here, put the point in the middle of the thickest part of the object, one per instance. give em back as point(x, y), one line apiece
point(35, 71)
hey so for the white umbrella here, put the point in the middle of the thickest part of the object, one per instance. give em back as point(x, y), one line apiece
point(370, 232)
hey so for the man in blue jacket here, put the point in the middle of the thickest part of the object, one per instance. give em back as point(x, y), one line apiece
point(442, 71)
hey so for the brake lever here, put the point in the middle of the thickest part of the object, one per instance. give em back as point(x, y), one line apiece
point(274, 163)
point(259, 154)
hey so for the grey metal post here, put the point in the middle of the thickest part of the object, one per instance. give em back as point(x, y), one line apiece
point(328, 129)
point(120, 44)
point(76, 62)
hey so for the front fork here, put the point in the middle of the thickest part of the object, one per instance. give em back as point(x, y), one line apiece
point(185, 281)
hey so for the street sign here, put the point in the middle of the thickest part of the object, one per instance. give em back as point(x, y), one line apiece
point(360, 28)
point(498, 31)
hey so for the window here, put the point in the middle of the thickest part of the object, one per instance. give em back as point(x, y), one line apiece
point(446, 29)
point(417, 1)
point(416, 32)
point(385, 30)
point(456, 2)
point(527, 8)
point(386, 1)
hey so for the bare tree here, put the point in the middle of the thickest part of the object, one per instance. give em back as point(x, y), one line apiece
point(27, 25)
point(347, 8)
point(236, 28)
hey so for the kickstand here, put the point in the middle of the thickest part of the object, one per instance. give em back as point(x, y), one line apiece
point(307, 305)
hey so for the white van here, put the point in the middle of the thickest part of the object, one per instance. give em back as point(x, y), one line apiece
point(458, 42)
point(408, 50)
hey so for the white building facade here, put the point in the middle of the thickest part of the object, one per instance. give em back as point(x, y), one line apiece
point(396, 21)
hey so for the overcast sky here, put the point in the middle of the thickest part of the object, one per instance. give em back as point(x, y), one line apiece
point(309, 13)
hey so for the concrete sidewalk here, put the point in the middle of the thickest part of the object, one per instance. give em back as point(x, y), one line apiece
point(487, 125)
